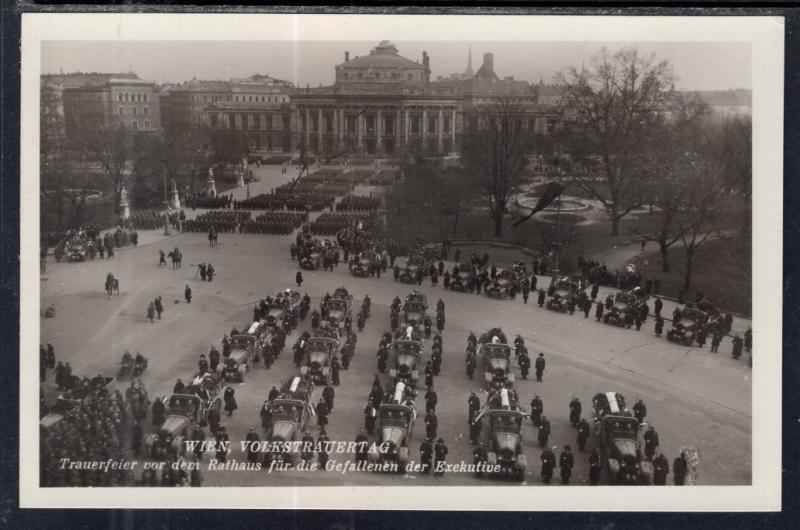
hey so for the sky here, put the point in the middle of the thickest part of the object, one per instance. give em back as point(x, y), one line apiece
point(697, 66)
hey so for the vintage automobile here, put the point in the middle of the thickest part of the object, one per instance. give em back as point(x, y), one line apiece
point(338, 310)
point(462, 280)
point(504, 285)
point(61, 409)
point(207, 388)
point(76, 247)
point(395, 423)
point(562, 291)
point(289, 300)
point(496, 365)
point(414, 313)
point(494, 332)
point(290, 413)
point(432, 251)
point(408, 273)
point(183, 413)
point(685, 330)
point(618, 432)
point(405, 362)
point(312, 261)
point(503, 438)
point(416, 296)
point(625, 303)
point(361, 264)
point(235, 366)
point(319, 355)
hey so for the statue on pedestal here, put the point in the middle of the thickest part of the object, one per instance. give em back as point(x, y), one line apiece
point(176, 201)
point(211, 185)
point(123, 203)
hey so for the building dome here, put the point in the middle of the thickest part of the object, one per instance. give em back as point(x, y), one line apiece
point(384, 64)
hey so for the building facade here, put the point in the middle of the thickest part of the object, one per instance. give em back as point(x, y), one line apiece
point(259, 106)
point(120, 103)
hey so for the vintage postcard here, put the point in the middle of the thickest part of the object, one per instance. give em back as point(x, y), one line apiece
point(381, 261)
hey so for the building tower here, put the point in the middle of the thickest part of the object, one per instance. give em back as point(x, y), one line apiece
point(468, 72)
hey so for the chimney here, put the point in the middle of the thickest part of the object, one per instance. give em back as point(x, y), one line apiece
point(346, 56)
point(488, 61)
point(426, 61)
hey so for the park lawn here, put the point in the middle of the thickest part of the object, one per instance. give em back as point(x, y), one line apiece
point(715, 273)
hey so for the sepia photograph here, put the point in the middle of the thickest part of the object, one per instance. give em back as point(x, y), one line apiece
point(417, 256)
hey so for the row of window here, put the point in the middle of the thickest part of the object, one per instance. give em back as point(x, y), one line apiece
point(410, 76)
point(145, 110)
point(242, 99)
point(135, 96)
point(134, 124)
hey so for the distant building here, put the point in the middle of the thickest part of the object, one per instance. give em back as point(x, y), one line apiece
point(258, 105)
point(736, 102)
point(115, 103)
point(386, 104)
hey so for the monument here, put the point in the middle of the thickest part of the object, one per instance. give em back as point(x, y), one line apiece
point(123, 203)
point(176, 201)
point(211, 185)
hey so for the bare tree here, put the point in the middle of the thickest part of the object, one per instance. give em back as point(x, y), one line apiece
point(496, 148)
point(668, 161)
point(608, 109)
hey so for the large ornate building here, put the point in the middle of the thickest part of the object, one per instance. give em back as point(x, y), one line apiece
point(385, 104)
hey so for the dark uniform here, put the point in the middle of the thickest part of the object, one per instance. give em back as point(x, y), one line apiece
point(566, 461)
point(440, 449)
point(548, 464)
point(583, 434)
point(661, 470)
point(540, 362)
point(679, 469)
point(431, 425)
point(536, 410)
point(426, 455)
point(595, 467)
point(544, 431)
point(575, 410)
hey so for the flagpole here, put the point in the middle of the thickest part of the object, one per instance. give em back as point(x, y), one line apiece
point(556, 269)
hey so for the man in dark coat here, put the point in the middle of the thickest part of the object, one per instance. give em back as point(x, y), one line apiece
point(575, 410)
point(328, 394)
point(540, 363)
point(158, 412)
point(566, 461)
point(440, 450)
point(598, 311)
point(431, 425)
point(230, 400)
point(658, 306)
point(431, 399)
point(661, 470)
point(639, 411)
point(187, 294)
point(335, 371)
point(273, 394)
point(583, 434)
point(221, 438)
point(426, 455)
point(540, 300)
point(595, 289)
point(322, 414)
point(536, 410)
point(679, 470)
point(651, 442)
point(362, 447)
point(544, 431)
point(595, 467)
point(548, 464)
point(252, 438)
point(179, 387)
point(213, 358)
point(474, 427)
point(369, 418)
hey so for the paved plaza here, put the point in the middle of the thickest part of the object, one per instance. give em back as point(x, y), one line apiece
point(694, 398)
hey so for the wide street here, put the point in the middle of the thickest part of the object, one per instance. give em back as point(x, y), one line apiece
point(694, 398)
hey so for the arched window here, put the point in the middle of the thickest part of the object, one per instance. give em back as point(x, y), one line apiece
point(126, 96)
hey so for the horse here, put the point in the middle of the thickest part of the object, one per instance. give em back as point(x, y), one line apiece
point(112, 286)
point(176, 258)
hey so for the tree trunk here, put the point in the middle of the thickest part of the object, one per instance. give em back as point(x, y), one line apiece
point(662, 246)
point(498, 223)
point(687, 277)
point(455, 222)
point(615, 219)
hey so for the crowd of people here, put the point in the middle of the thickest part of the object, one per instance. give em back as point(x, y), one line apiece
point(287, 201)
point(358, 203)
point(328, 224)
